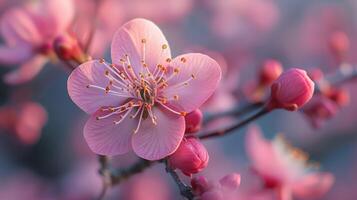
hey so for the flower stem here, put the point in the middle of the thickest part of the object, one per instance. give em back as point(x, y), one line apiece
point(238, 125)
point(185, 190)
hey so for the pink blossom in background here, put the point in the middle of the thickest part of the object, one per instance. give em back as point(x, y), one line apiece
point(28, 32)
point(139, 101)
point(150, 185)
point(24, 120)
point(284, 168)
point(244, 19)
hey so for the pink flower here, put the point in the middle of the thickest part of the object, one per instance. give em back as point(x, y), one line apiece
point(25, 121)
point(193, 121)
point(291, 90)
point(140, 101)
point(191, 156)
point(28, 33)
point(285, 168)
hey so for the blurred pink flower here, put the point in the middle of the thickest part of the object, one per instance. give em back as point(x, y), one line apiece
point(25, 121)
point(149, 185)
point(284, 168)
point(28, 32)
point(145, 82)
point(248, 19)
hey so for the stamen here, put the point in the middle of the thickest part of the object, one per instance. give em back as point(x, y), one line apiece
point(170, 109)
point(183, 59)
point(139, 123)
point(123, 117)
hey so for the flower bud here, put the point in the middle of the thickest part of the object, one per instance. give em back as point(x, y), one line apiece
point(291, 90)
point(270, 71)
point(193, 121)
point(68, 48)
point(230, 181)
point(214, 194)
point(339, 44)
point(200, 185)
point(190, 157)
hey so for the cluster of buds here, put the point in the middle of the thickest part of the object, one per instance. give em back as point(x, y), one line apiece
point(207, 190)
point(324, 105)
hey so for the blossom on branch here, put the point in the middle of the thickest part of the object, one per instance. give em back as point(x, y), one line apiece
point(139, 102)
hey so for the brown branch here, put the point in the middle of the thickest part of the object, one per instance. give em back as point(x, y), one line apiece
point(185, 190)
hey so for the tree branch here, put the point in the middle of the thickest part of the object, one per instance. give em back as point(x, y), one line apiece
point(185, 190)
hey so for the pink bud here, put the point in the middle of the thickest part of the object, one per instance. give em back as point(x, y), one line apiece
point(68, 48)
point(270, 71)
point(339, 44)
point(200, 185)
point(230, 181)
point(340, 96)
point(214, 194)
point(291, 90)
point(191, 156)
point(193, 121)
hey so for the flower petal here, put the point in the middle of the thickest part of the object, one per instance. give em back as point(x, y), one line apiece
point(128, 40)
point(91, 99)
point(25, 72)
point(313, 185)
point(262, 155)
point(106, 138)
point(154, 142)
point(49, 20)
point(17, 27)
point(202, 74)
point(15, 55)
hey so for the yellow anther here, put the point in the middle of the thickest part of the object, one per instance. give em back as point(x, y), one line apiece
point(129, 67)
point(183, 113)
point(176, 70)
point(164, 46)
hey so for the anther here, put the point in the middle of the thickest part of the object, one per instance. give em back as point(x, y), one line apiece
point(143, 40)
point(164, 46)
point(183, 113)
point(183, 59)
point(193, 76)
point(168, 60)
point(176, 97)
point(176, 70)
point(101, 60)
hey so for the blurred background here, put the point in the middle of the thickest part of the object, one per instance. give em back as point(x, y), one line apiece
point(43, 154)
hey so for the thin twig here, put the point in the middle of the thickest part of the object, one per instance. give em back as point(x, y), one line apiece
point(185, 190)
point(238, 125)
point(238, 111)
